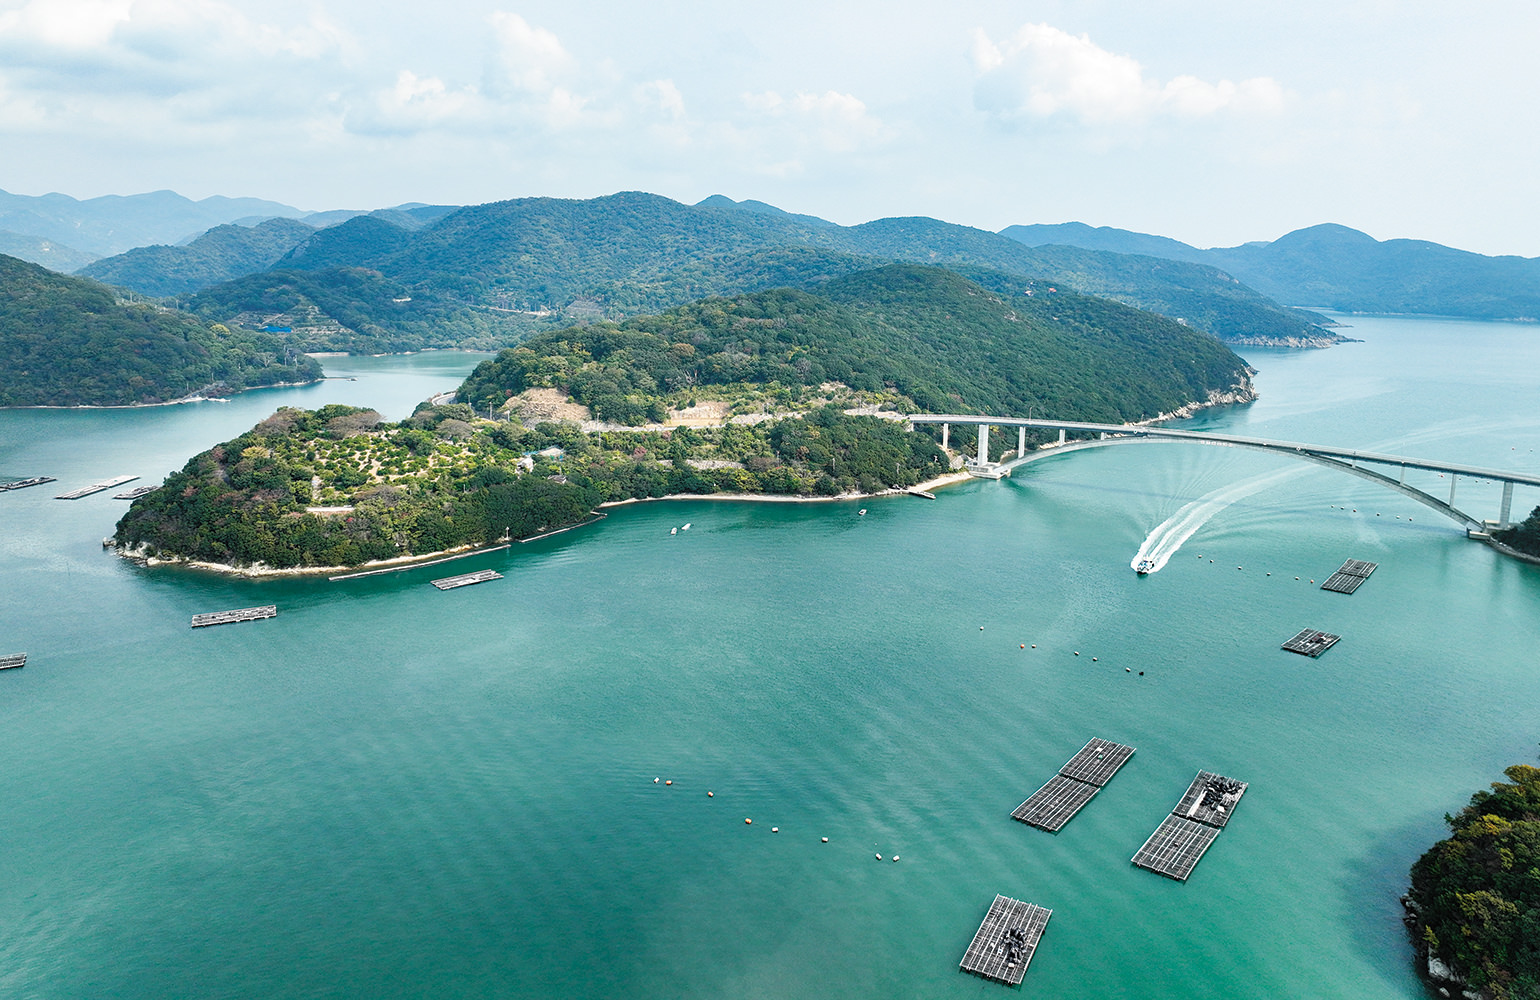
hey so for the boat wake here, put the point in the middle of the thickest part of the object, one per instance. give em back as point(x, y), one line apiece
point(1168, 536)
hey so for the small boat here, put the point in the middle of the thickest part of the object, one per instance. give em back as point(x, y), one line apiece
point(861, 512)
point(686, 527)
point(673, 531)
point(1144, 566)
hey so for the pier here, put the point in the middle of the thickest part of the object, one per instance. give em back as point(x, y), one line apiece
point(1311, 642)
point(466, 579)
point(105, 484)
point(13, 660)
point(238, 615)
point(1077, 782)
point(21, 484)
point(1179, 842)
point(1350, 577)
point(1006, 941)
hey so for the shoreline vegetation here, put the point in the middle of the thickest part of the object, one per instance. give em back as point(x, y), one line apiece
point(401, 563)
point(1473, 910)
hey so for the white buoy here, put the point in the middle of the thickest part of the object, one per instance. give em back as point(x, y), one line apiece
point(775, 829)
point(826, 840)
point(654, 781)
point(879, 857)
point(895, 857)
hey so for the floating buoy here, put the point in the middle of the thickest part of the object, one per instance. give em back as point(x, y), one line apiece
point(1077, 652)
point(1024, 646)
point(1141, 673)
point(826, 840)
point(775, 829)
point(1296, 578)
point(747, 821)
point(862, 512)
point(669, 781)
point(879, 857)
point(1034, 645)
point(895, 857)
point(711, 795)
point(981, 628)
point(1269, 574)
point(654, 781)
point(673, 531)
point(1093, 659)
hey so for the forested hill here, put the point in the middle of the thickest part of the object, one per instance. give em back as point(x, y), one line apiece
point(502, 270)
point(1334, 267)
point(764, 392)
point(221, 254)
point(69, 342)
point(939, 341)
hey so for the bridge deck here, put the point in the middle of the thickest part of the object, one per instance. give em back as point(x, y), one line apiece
point(1006, 941)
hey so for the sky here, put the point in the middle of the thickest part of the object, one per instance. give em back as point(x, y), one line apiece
point(1212, 121)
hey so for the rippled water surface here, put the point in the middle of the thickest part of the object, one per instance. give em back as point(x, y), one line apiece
point(389, 791)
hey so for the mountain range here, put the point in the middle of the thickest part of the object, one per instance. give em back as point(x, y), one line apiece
point(1334, 267)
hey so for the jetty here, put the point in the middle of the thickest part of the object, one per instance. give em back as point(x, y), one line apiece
point(1311, 642)
point(11, 661)
point(105, 484)
point(1077, 782)
point(1006, 940)
point(1179, 842)
point(1350, 577)
point(238, 615)
point(466, 579)
point(21, 484)
point(135, 493)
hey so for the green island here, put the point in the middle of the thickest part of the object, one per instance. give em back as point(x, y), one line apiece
point(1474, 906)
point(1522, 537)
point(782, 393)
point(73, 342)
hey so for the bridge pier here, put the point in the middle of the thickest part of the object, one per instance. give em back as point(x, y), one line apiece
point(1061, 435)
point(1507, 508)
point(1021, 441)
point(1453, 479)
point(984, 445)
point(946, 431)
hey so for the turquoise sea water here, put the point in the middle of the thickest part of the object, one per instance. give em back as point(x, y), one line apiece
point(390, 791)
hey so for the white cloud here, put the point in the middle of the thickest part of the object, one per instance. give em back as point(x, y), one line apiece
point(528, 58)
point(1043, 72)
point(832, 120)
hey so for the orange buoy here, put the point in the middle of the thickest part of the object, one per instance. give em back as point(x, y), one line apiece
point(669, 781)
point(748, 821)
point(711, 795)
point(1024, 646)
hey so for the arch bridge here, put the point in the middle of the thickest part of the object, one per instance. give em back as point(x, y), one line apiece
point(1386, 470)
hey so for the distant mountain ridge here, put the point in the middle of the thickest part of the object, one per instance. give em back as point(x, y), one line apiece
point(221, 254)
point(1334, 267)
point(113, 224)
point(519, 266)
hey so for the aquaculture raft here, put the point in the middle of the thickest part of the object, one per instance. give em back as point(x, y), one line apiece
point(1006, 941)
point(1178, 843)
point(1310, 642)
point(21, 484)
point(12, 661)
point(466, 579)
point(1350, 577)
point(105, 484)
point(238, 615)
point(1081, 777)
point(135, 493)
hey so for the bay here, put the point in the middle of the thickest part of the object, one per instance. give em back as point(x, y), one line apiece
point(389, 791)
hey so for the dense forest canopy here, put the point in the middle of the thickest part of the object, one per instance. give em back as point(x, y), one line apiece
point(1524, 536)
point(941, 342)
point(1476, 895)
point(70, 342)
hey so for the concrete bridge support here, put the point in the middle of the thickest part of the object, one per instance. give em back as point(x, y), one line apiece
point(946, 432)
point(1021, 442)
point(1507, 509)
point(1453, 480)
point(983, 444)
